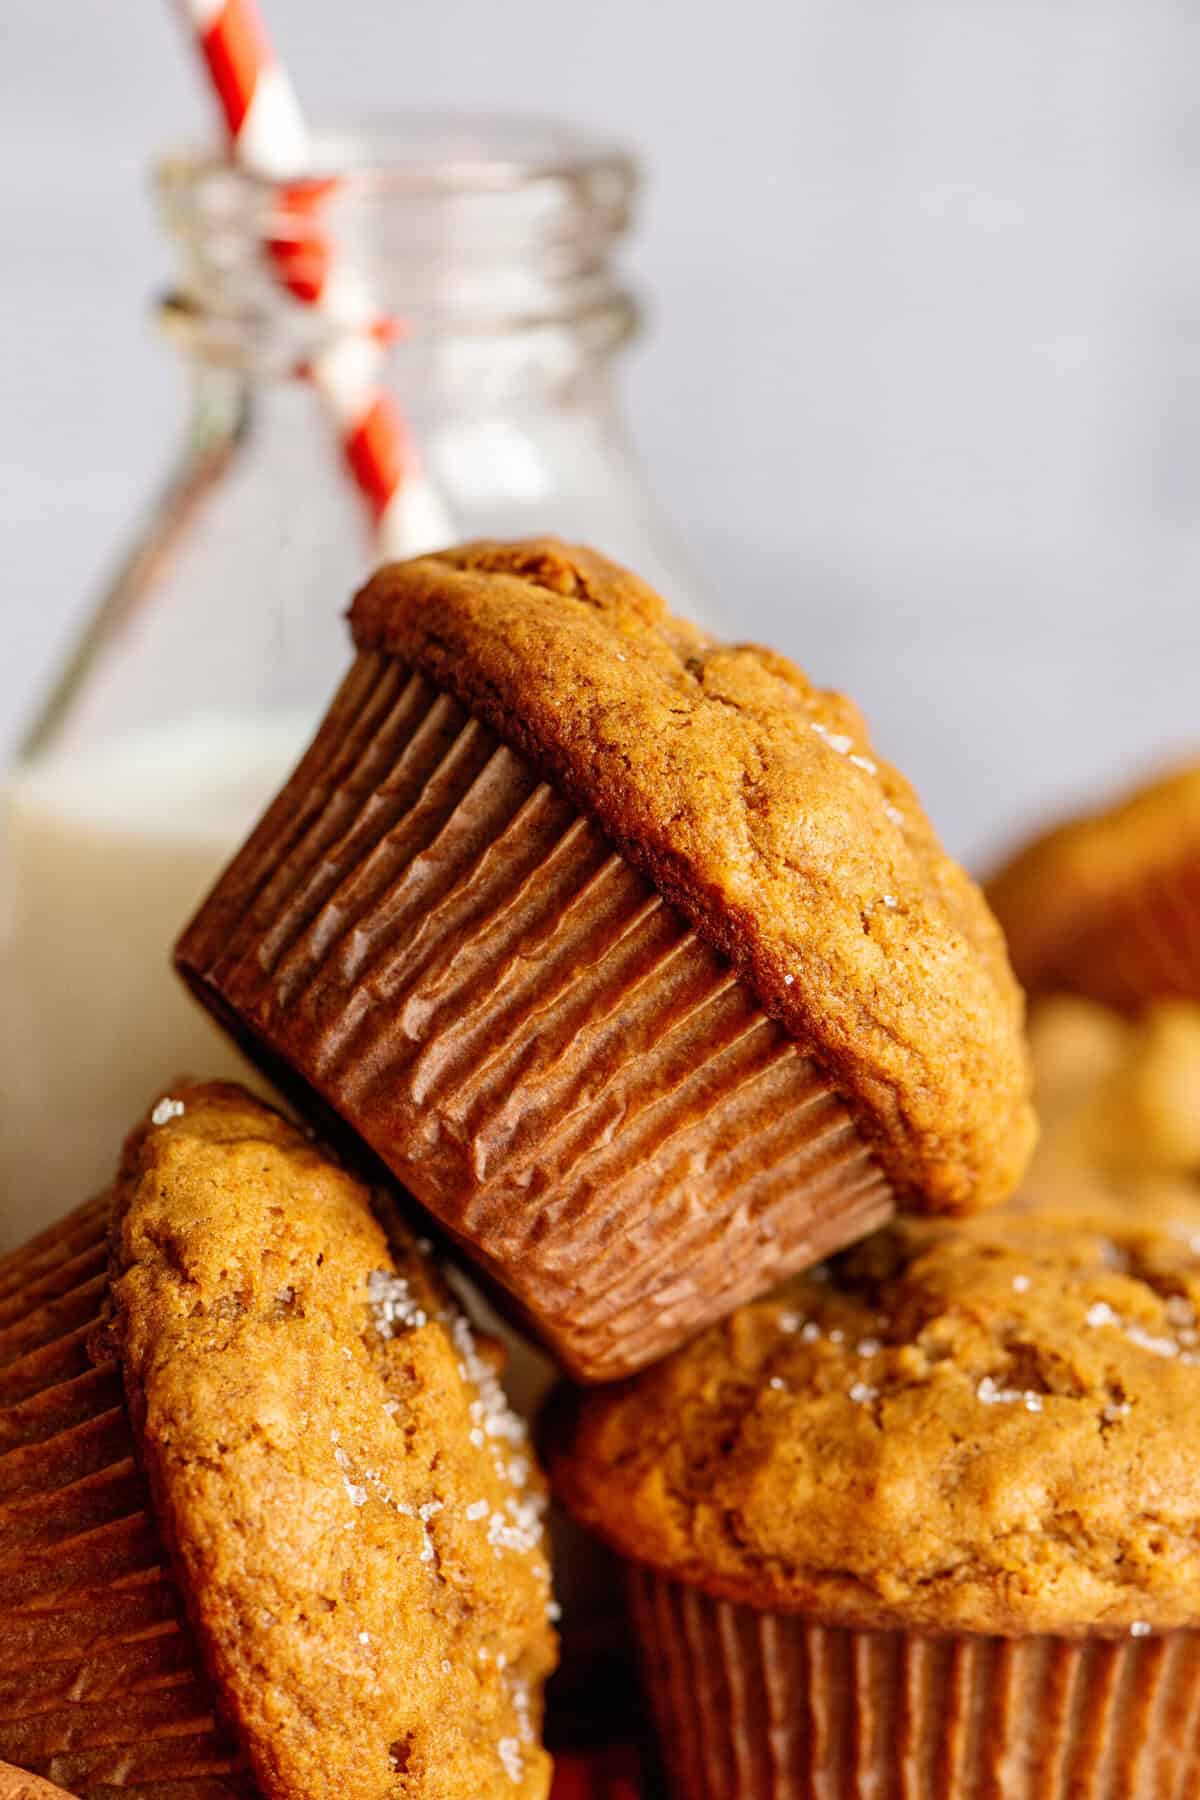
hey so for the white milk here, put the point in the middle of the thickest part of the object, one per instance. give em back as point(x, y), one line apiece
point(107, 856)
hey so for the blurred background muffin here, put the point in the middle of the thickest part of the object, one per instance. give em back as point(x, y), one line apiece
point(1108, 904)
point(1118, 1102)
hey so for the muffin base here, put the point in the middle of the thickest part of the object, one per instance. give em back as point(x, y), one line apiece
point(768, 1706)
point(461, 966)
point(101, 1688)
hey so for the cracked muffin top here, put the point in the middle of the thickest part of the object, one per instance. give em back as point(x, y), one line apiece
point(350, 1506)
point(985, 1427)
point(755, 803)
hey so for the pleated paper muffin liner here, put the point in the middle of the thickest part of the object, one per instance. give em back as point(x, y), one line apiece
point(765, 1706)
point(458, 963)
point(101, 1688)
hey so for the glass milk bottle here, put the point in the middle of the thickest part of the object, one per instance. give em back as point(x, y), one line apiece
point(221, 636)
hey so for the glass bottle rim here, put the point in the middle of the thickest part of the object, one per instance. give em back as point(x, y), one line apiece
point(428, 150)
point(459, 224)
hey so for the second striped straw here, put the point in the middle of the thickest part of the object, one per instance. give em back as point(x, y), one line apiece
point(269, 136)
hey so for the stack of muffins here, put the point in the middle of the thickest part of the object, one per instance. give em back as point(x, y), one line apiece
point(617, 957)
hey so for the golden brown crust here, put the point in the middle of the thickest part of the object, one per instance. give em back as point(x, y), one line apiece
point(992, 1427)
point(1067, 900)
point(353, 1518)
point(15, 1784)
point(756, 804)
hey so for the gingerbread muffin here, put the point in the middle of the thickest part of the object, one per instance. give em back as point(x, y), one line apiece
point(267, 1528)
point(928, 1524)
point(621, 947)
point(15, 1784)
point(1108, 904)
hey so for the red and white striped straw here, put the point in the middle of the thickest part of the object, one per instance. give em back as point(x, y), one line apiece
point(269, 136)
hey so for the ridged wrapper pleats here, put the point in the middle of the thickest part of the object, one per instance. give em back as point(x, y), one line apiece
point(461, 966)
point(756, 1705)
point(101, 1688)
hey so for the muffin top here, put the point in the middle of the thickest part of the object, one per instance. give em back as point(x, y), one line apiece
point(988, 1427)
point(756, 804)
point(351, 1507)
point(15, 1784)
point(1068, 886)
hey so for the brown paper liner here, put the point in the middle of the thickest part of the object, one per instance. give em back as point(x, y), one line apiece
point(766, 1706)
point(461, 966)
point(101, 1689)
point(1142, 945)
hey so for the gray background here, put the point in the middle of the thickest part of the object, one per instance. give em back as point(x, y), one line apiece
point(923, 388)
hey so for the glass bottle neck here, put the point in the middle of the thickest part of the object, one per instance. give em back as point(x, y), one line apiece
point(453, 372)
point(482, 253)
point(503, 266)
